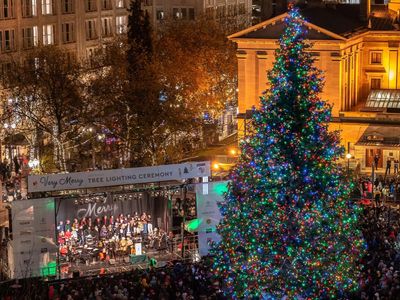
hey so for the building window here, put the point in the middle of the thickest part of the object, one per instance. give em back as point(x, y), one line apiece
point(160, 14)
point(376, 57)
point(29, 8)
point(48, 34)
point(68, 6)
point(9, 40)
point(106, 4)
point(184, 13)
point(90, 5)
point(221, 11)
point(191, 13)
point(68, 33)
point(29, 37)
point(210, 12)
point(106, 27)
point(375, 83)
point(47, 7)
point(119, 3)
point(6, 68)
point(242, 8)
point(90, 54)
point(121, 24)
point(91, 32)
point(7, 9)
point(176, 12)
point(231, 10)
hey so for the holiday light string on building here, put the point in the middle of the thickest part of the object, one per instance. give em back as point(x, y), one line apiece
point(287, 226)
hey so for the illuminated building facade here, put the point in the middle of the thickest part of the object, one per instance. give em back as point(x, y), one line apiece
point(159, 10)
point(76, 25)
point(81, 25)
point(358, 50)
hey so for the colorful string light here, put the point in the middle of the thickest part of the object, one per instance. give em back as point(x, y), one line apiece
point(287, 226)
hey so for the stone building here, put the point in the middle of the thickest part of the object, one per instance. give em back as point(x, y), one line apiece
point(357, 46)
point(81, 25)
point(77, 25)
point(159, 10)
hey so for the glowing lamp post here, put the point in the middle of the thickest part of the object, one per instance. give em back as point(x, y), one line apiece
point(33, 163)
point(348, 156)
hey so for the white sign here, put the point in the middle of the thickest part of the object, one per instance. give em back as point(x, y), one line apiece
point(102, 178)
point(208, 213)
point(138, 248)
point(34, 240)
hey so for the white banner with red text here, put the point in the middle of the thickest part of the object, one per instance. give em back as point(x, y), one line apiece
point(103, 178)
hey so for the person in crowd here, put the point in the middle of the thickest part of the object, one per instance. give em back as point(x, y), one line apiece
point(396, 166)
point(388, 166)
point(376, 161)
point(60, 226)
point(17, 165)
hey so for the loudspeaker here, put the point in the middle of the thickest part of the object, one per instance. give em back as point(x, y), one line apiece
point(75, 274)
point(112, 261)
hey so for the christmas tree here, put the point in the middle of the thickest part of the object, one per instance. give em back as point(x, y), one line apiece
point(287, 226)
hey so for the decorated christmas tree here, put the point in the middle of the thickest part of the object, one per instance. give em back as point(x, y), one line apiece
point(288, 228)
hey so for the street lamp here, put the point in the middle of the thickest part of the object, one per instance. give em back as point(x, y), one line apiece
point(10, 128)
point(348, 156)
point(34, 163)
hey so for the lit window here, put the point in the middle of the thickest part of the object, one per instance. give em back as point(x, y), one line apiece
point(47, 7)
point(29, 8)
point(160, 15)
point(48, 34)
point(121, 24)
point(29, 37)
point(375, 83)
point(177, 13)
point(106, 27)
point(376, 57)
point(119, 4)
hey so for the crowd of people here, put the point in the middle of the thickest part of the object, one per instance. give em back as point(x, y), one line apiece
point(380, 278)
point(380, 190)
point(109, 237)
point(176, 281)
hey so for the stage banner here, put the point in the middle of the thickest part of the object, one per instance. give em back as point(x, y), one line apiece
point(114, 205)
point(208, 195)
point(33, 245)
point(102, 178)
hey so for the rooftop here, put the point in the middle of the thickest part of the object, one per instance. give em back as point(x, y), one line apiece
point(343, 20)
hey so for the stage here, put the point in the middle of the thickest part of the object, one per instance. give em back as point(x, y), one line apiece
point(121, 264)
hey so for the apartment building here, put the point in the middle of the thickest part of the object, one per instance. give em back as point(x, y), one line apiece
point(80, 25)
point(77, 25)
point(159, 10)
point(357, 47)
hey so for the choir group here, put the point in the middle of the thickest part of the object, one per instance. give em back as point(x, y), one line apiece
point(108, 237)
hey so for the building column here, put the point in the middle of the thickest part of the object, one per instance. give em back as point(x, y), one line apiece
point(261, 80)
